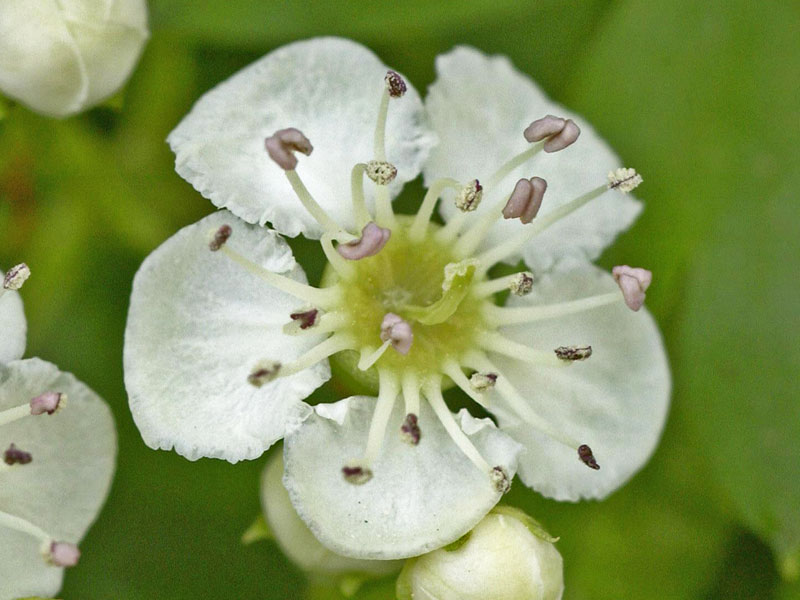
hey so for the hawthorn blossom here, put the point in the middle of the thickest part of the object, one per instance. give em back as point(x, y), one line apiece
point(57, 454)
point(226, 339)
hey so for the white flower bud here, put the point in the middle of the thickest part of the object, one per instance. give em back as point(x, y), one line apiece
point(507, 556)
point(60, 58)
point(296, 540)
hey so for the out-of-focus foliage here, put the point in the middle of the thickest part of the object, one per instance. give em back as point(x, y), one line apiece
point(699, 97)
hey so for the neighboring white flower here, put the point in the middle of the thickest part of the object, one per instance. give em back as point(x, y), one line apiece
point(62, 57)
point(508, 556)
point(225, 339)
point(299, 544)
point(57, 454)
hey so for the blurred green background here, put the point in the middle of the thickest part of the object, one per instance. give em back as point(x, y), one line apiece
point(702, 98)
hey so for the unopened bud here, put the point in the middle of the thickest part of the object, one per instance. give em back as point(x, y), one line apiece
point(507, 556)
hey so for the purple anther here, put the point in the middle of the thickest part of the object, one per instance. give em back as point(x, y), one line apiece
point(500, 479)
point(16, 276)
point(372, 241)
point(410, 429)
point(633, 282)
point(395, 84)
point(221, 236)
point(264, 372)
point(573, 352)
point(306, 318)
point(526, 199)
point(356, 475)
point(63, 554)
point(49, 402)
point(558, 133)
point(587, 458)
point(398, 331)
point(15, 456)
point(282, 145)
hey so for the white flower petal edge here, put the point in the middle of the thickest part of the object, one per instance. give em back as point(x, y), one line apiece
point(479, 106)
point(420, 497)
point(198, 324)
point(328, 88)
point(616, 401)
point(297, 541)
point(63, 489)
point(13, 326)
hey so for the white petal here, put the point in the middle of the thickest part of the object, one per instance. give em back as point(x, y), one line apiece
point(616, 401)
point(479, 107)
point(420, 497)
point(12, 326)
point(62, 490)
point(40, 62)
point(297, 541)
point(198, 324)
point(328, 88)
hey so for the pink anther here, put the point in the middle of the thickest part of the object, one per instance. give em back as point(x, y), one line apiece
point(282, 145)
point(398, 331)
point(558, 133)
point(633, 282)
point(373, 239)
point(49, 402)
point(526, 199)
point(64, 554)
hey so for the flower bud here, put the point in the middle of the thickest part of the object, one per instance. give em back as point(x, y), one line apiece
point(507, 556)
point(60, 58)
point(296, 540)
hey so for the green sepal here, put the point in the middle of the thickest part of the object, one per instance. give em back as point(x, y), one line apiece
point(258, 531)
point(532, 524)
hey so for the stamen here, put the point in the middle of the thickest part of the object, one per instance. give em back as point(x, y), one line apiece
point(518, 404)
point(433, 393)
point(49, 402)
point(624, 180)
point(383, 204)
point(634, 283)
point(500, 479)
point(587, 458)
point(518, 284)
point(502, 315)
point(336, 259)
point(373, 239)
point(16, 277)
point(512, 164)
point(305, 292)
point(264, 372)
point(573, 352)
point(360, 212)
point(220, 237)
point(481, 382)
point(410, 384)
point(395, 84)
point(369, 356)
point(14, 456)
point(556, 132)
point(314, 209)
point(410, 430)
point(381, 172)
point(525, 200)
point(453, 370)
point(306, 318)
point(423, 216)
point(282, 145)
point(60, 554)
point(268, 370)
point(515, 244)
point(469, 198)
point(398, 332)
point(496, 342)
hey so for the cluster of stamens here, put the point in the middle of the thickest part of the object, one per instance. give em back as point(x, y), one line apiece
point(379, 294)
point(57, 553)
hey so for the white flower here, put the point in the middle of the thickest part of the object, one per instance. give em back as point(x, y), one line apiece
point(225, 339)
point(57, 453)
point(60, 58)
point(508, 556)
